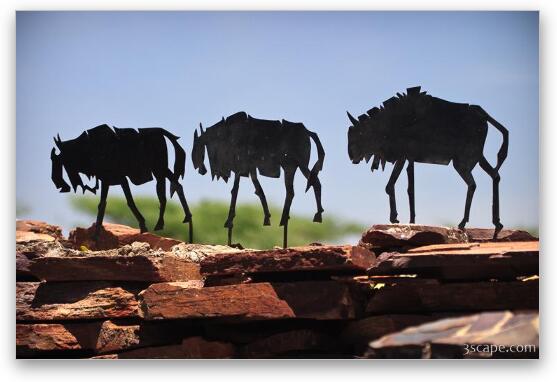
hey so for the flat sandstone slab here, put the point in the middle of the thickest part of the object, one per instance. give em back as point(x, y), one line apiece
point(308, 258)
point(98, 336)
point(135, 262)
point(464, 337)
point(303, 340)
point(401, 235)
point(182, 300)
point(190, 348)
point(326, 300)
point(421, 296)
point(409, 235)
point(117, 235)
point(74, 301)
point(360, 332)
point(479, 235)
point(39, 228)
point(472, 261)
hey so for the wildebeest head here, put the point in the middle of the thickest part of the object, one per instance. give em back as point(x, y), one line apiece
point(71, 159)
point(198, 151)
point(372, 134)
point(364, 138)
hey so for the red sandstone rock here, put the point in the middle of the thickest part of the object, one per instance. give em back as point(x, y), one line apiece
point(44, 337)
point(27, 251)
point(320, 300)
point(402, 235)
point(464, 337)
point(117, 235)
point(184, 300)
point(99, 337)
point(22, 236)
point(197, 347)
point(304, 340)
point(311, 258)
point(424, 296)
point(136, 262)
point(473, 261)
point(74, 301)
point(190, 348)
point(39, 228)
point(22, 263)
point(486, 234)
point(358, 334)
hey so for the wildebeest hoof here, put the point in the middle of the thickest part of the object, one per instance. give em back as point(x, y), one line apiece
point(394, 220)
point(267, 220)
point(159, 226)
point(143, 228)
point(317, 218)
point(283, 221)
point(498, 228)
point(462, 224)
point(187, 219)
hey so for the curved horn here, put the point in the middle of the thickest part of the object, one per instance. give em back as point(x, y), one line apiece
point(195, 136)
point(53, 153)
point(201, 128)
point(352, 119)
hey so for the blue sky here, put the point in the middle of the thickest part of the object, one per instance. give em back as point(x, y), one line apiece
point(76, 70)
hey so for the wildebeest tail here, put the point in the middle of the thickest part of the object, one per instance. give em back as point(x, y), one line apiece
point(502, 154)
point(179, 155)
point(318, 166)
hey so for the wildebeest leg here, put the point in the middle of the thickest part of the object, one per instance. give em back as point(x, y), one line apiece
point(131, 204)
point(289, 173)
point(390, 189)
point(317, 191)
point(484, 164)
point(175, 186)
point(102, 207)
point(259, 192)
point(410, 172)
point(465, 173)
point(161, 193)
point(232, 211)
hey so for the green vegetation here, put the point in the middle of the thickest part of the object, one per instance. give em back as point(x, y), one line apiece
point(21, 209)
point(209, 217)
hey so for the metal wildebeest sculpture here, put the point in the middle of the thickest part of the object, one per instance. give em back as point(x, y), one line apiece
point(113, 156)
point(416, 127)
point(243, 145)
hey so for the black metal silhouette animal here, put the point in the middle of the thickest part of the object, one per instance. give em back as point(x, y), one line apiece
point(416, 127)
point(243, 145)
point(113, 156)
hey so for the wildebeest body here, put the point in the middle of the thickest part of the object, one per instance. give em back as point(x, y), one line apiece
point(247, 146)
point(115, 155)
point(435, 131)
point(242, 143)
point(417, 127)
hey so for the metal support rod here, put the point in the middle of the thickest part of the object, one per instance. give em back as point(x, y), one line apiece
point(285, 236)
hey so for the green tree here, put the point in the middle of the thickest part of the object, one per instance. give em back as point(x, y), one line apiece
point(209, 217)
